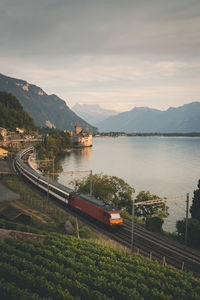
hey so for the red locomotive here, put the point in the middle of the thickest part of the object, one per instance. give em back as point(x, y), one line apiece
point(91, 206)
point(96, 209)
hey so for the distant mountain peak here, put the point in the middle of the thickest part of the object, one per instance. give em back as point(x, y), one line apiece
point(185, 118)
point(93, 113)
point(144, 109)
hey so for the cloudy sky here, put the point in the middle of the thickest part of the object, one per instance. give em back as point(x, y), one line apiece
point(117, 53)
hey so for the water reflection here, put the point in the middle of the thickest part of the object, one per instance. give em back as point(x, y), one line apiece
point(165, 166)
point(73, 166)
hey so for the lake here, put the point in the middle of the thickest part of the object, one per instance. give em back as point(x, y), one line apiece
point(166, 166)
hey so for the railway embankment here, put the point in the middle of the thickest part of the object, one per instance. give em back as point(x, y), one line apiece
point(158, 248)
point(33, 163)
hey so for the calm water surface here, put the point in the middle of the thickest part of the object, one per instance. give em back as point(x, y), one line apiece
point(166, 166)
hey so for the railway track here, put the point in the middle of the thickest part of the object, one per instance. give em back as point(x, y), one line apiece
point(150, 244)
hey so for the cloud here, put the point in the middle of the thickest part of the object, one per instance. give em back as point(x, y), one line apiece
point(112, 80)
point(114, 52)
point(51, 28)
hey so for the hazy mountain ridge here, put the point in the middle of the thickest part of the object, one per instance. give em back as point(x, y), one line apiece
point(41, 106)
point(93, 113)
point(185, 118)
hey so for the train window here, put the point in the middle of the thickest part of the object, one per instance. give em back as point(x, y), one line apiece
point(115, 216)
point(107, 215)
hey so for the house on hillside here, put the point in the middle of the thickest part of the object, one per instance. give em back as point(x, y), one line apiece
point(3, 153)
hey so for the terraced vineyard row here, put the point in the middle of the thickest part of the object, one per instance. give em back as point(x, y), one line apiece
point(63, 267)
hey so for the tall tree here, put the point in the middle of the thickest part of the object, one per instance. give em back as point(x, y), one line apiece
point(148, 211)
point(111, 189)
point(195, 207)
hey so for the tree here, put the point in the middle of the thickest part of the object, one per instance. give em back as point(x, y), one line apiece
point(193, 231)
point(111, 189)
point(193, 222)
point(195, 207)
point(145, 211)
point(153, 214)
point(12, 114)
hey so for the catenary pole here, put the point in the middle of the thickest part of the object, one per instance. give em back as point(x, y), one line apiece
point(186, 219)
point(132, 227)
point(91, 183)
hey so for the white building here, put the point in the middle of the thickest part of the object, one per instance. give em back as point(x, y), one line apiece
point(3, 131)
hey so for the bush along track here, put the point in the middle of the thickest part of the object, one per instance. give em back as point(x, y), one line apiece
point(64, 267)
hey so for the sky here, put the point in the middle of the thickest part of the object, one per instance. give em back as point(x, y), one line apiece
point(115, 53)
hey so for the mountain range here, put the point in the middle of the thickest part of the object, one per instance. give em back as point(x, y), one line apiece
point(185, 118)
point(51, 111)
point(93, 113)
point(46, 110)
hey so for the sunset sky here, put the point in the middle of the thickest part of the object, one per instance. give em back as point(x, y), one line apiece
point(117, 53)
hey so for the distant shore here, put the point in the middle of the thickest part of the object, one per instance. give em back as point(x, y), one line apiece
point(174, 134)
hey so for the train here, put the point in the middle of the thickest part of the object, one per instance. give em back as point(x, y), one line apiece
point(86, 204)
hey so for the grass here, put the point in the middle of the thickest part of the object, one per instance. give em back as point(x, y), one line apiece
point(46, 215)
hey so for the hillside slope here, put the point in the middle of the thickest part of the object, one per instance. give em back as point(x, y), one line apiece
point(64, 267)
point(12, 114)
point(40, 106)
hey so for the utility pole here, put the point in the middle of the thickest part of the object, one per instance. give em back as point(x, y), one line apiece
point(186, 219)
point(150, 202)
point(53, 168)
point(132, 227)
point(48, 189)
point(91, 183)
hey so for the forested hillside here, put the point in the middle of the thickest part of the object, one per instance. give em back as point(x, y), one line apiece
point(12, 114)
point(64, 267)
point(43, 108)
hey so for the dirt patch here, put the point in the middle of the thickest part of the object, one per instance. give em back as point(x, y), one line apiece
point(35, 213)
point(4, 233)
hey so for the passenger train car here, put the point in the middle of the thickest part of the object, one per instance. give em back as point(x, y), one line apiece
point(88, 205)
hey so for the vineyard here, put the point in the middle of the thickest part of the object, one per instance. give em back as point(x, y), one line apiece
point(64, 267)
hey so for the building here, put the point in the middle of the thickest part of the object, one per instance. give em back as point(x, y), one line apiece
point(3, 131)
point(81, 137)
point(3, 153)
point(20, 130)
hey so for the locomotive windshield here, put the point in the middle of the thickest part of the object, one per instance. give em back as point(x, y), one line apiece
point(115, 216)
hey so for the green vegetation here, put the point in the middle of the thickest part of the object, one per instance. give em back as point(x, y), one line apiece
point(12, 114)
point(46, 215)
point(54, 143)
point(153, 215)
point(64, 267)
point(195, 207)
point(4, 224)
point(111, 189)
point(193, 222)
point(116, 192)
